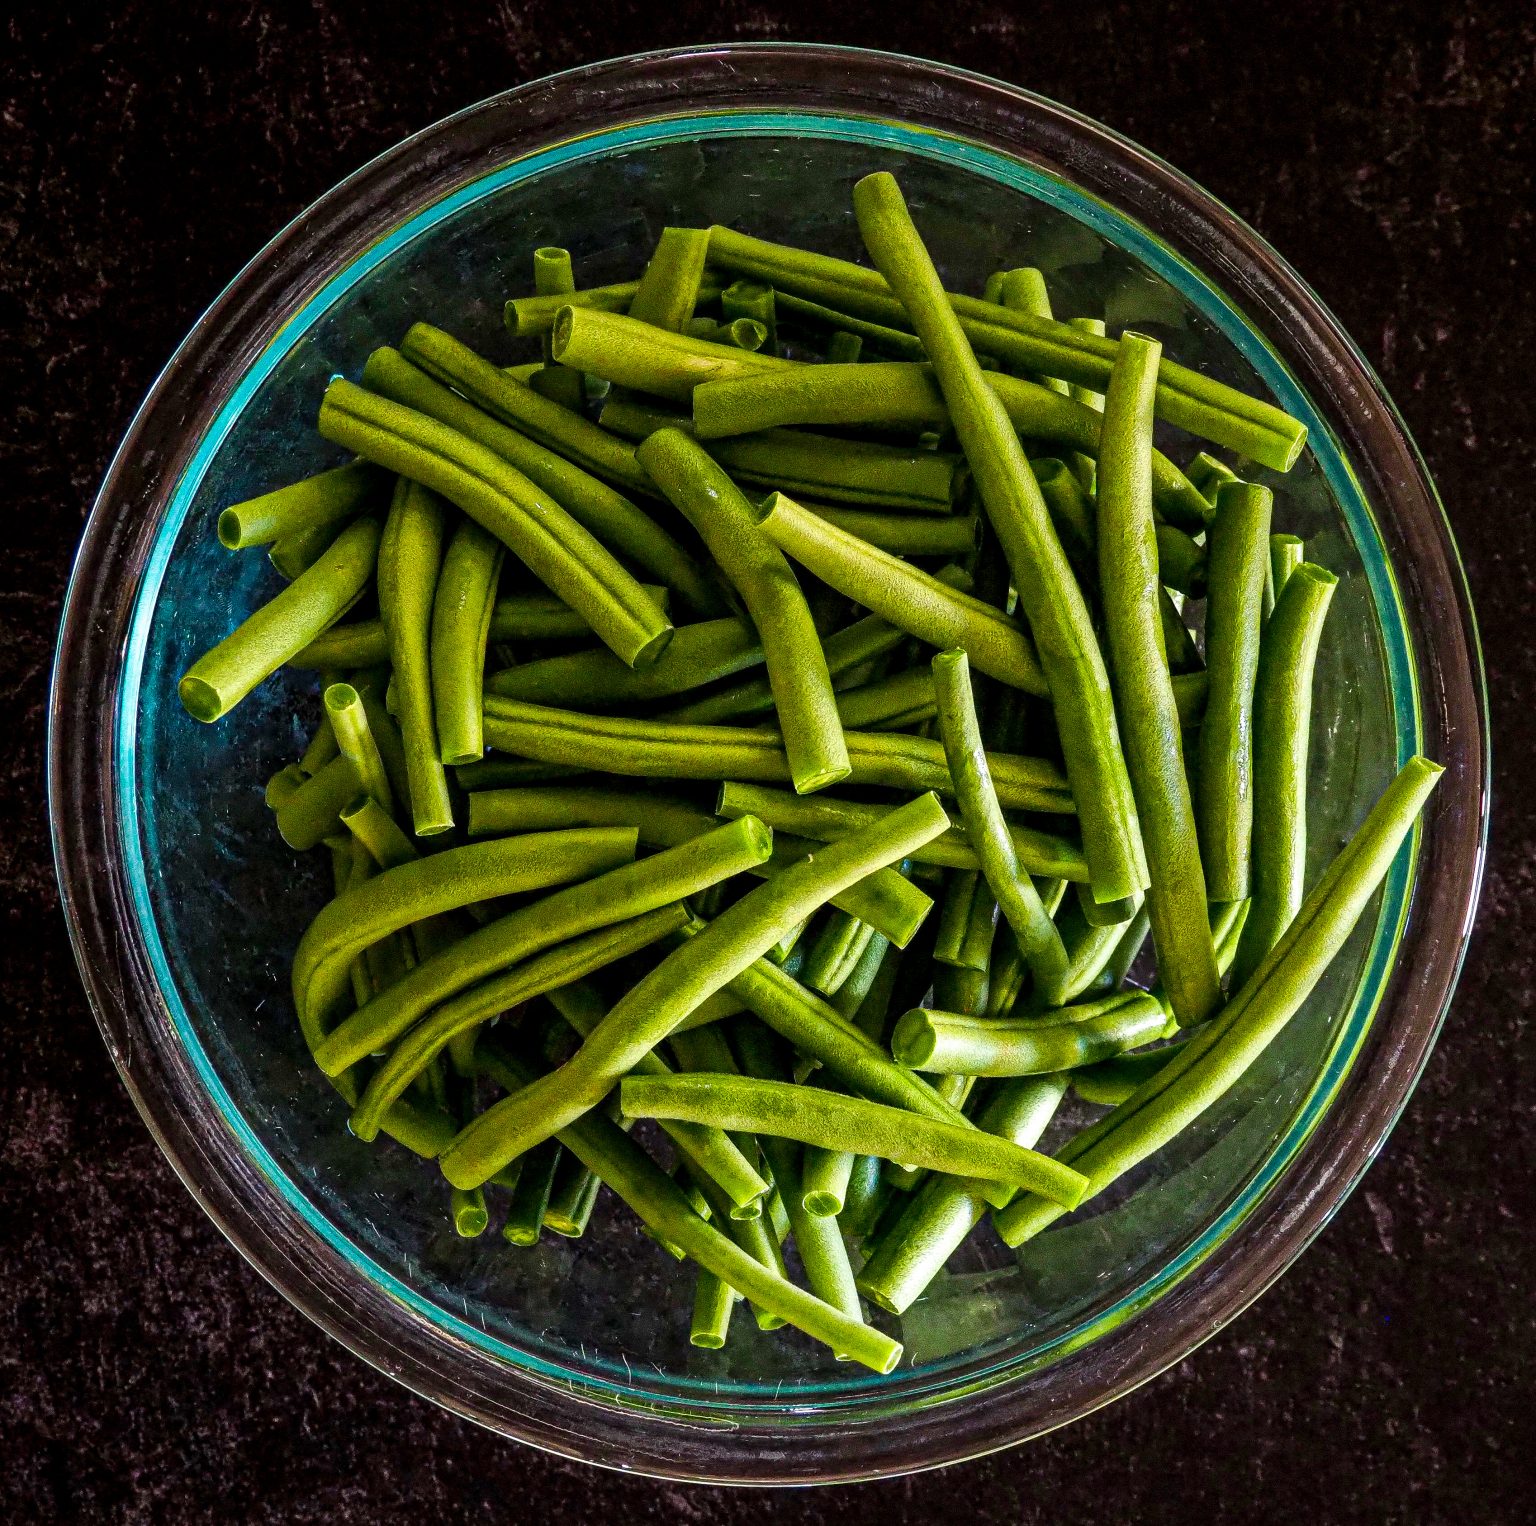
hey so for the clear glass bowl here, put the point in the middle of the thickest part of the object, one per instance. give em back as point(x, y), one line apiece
point(185, 909)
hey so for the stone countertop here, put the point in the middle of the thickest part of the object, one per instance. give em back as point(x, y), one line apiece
point(146, 1373)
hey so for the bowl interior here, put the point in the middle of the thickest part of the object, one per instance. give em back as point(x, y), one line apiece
point(221, 902)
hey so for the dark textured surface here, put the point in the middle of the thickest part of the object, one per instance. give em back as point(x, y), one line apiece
point(146, 1373)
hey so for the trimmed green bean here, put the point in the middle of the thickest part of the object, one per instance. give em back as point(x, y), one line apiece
point(713, 1303)
point(610, 517)
point(904, 595)
point(1024, 291)
point(530, 1198)
point(552, 273)
point(936, 1221)
point(967, 922)
point(602, 1146)
point(1184, 397)
point(844, 347)
point(751, 300)
point(460, 632)
point(1286, 554)
point(410, 556)
point(880, 336)
point(1179, 645)
point(1239, 541)
point(283, 786)
point(1110, 1082)
point(1072, 513)
point(1282, 734)
point(354, 737)
point(651, 1009)
point(669, 288)
point(1208, 473)
point(1017, 897)
point(837, 1122)
point(530, 317)
point(1048, 593)
point(572, 1197)
point(286, 624)
point(560, 552)
point(797, 666)
point(1176, 900)
point(1190, 691)
point(1181, 563)
point(320, 503)
point(311, 813)
point(835, 952)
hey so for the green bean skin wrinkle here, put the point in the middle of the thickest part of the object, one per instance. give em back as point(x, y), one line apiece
point(1048, 593)
point(410, 556)
point(462, 611)
point(1176, 900)
point(651, 1009)
point(613, 519)
point(285, 625)
point(1017, 898)
point(316, 503)
point(904, 595)
point(1282, 729)
point(835, 1122)
point(1239, 559)
point(797, 666)
point(605, 1150)
point(1215, 1058)
point(667, 750)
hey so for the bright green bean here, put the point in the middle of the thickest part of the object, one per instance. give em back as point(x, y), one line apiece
point(1208, 474)
point(669, 288)
point(1282, 734)
point(905, 534)
point(1181, 563)
point(1048, 593)
point(572, 1197)
point(319, 503)
point(751, 300)
point(460, 631)
point(286, 624)
point(967, 922)
point(1176, 900)
point(650, 1010)
point(1017, 896)
point(283, 786)
point(1286, 554)
point(835, 952)
point(1072, 513)
point(713, 1302)
point(1218, 1054)
point(561, 553)
point(354, 736)
point(1239, 541)
point(1024, 291)
point(887, 704)
point(311, 813)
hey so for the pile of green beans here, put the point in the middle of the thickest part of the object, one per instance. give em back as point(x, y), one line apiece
point(934, 594)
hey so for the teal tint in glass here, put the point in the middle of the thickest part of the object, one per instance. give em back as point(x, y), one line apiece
point(582, 1345)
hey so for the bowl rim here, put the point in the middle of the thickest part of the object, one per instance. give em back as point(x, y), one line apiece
point(774, 77)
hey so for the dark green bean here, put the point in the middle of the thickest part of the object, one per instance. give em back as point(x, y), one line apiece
point(967, 922)
point(530, 1198)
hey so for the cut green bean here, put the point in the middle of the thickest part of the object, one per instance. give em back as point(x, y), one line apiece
point(751, 300)
point(320, 503)
point(1072, 513)
point(713, 1301)
point(650, 1010)
point(1048, 593)
point(669, 288)
point(846, 327)
point(838, 1122)
point(888, 704)
point(530, 317)
point(1282, 732)
point(1208, 474)
point(354, 736)
point(836, 952)
point(844, 347)
point(283, 786)
point(460, 632)
point(967, 922)
point(1024, 291)
point(410, 556)
point(530, 1198)
point(1176, 900)
point(1181, 564)
point(572, 1197)
point(1110, 1082)
point(1286, 554)
point(311, 813)
point(1239, 540)
point(904, 595)
point(1017, 896)
point(797, 666)
point(561, 553)
point(285, 625)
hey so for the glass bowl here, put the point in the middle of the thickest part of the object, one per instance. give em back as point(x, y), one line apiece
point(185, 909)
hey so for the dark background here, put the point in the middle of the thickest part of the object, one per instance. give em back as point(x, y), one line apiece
point(146, 1373)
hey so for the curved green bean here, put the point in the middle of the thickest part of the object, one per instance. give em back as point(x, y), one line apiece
point(319, 503)
point(561, 553)
point(286, 624)
point(462, 612)
point(311, 813)
point(1239, 559)
point(1176, 900)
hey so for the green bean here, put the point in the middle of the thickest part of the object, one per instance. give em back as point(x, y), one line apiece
point(934, 1223)
point(621, 893)
point(1208, 474)
point(905, 534)
point(756, 568)
point(561, 553)
point(1182, 653)
point(410, 556)
point(1017, 896)
point(967, 922)
point(1090, 946)
point(824, 1179)
point(531, 317)
point(710, 1154)
point(530, 1198)
point(283, 786)
point(756, 1237)
point(669, 289)
point(1190, 691)
point(661, 1206)
point(713, 1302)
point(879, 335)
point(743, 333)
point(460, 631)
point(1072, 513)
point(1181, 563)
point(844, 347)
point(697, 655)
point(552, 274)
point(1286, 554)
point(1282, 727)
point(444, 882)
point(633, 354)
point(1176, 900)
point(1239, 541)
point(378, 832)
point(830, 819)
point(572, 1197)
point(701, 966)
point(354, 736)
point(904, 595)
point(896, 396)
point(666, 750)
point(1216, 1057)
point(901, 699)
point(748, 299)
point(1186, 398)
point(821, 466)
point(1062, 1038)
point(1109, 1082)
point(222, 677)
point(311, 813)
point(321, 503)
point(836, 952)
point(838, 1122)
point(1048, 593)
point(1024, 291)
point(604, 512)
point(1083, 464)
